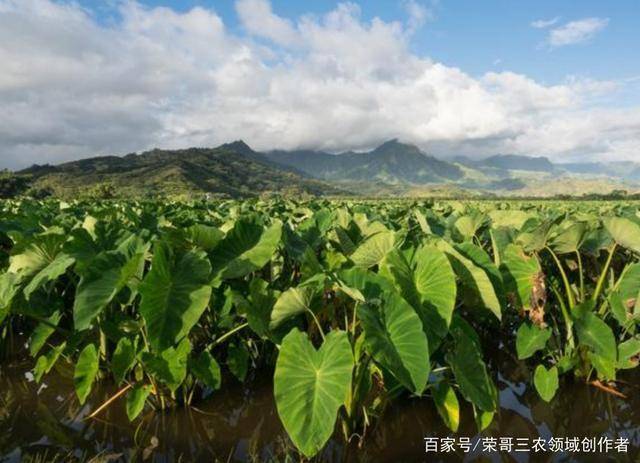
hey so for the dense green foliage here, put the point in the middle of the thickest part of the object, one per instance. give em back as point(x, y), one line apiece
point(231, 170)
point(348, 304)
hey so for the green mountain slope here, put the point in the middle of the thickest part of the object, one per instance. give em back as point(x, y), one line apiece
point(392, 169)
point(231, 170)
point(392, 162)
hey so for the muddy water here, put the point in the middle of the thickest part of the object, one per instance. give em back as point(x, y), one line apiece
point(240, 423)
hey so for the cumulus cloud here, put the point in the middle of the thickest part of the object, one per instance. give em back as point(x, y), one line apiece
point(544, 23)
point(575, 32)
point(71, 87)
point(258, 18)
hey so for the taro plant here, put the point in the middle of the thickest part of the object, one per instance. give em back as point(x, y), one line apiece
point(349, 305)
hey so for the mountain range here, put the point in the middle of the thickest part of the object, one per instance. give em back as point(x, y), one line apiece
point(230, 170)
point(393, 168)
point(392, 162)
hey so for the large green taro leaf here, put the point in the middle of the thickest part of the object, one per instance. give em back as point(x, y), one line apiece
point(474, 279)
point(569, 239)
point(175, 293)
point(625, 232)
point(37, 255)
point(247, 247)
point(170, 366)
point(534, 236)
point(297, 300)
point(471, 373)
point(395, 339)
point(40, 262)
point(530, 339)
point(50, 272)
point(310, 386)
point(468, 225)
point(373, 249)
point(598, 336)
point(101, 281)
point(520, 274)
point(428, 284)
point(480, 258)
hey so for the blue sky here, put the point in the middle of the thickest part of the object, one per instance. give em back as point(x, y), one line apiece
point(455, 77)
point(487, 35)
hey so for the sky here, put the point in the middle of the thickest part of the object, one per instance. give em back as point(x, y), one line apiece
point(455, 77)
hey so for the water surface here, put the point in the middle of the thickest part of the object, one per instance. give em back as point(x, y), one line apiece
point(240, 424)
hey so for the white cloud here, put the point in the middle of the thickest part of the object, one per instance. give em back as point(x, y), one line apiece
point(258, 18)
point(418, 13)
point(544, 23)
point(71, 87)
point(576, 31)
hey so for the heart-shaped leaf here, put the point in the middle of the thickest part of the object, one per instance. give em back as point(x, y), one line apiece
point(429, 285)
point(247, 247)
point(175, 293)
point(310, 386)
point(546, 382)
point(530, 339)
point(136, 399)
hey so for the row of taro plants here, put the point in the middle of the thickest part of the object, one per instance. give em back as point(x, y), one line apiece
point(351, 304)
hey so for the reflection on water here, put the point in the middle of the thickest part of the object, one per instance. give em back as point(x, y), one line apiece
point(240, 423)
